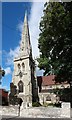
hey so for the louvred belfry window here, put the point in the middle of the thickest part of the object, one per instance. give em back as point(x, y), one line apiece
point(23, 66)
point(19, 66)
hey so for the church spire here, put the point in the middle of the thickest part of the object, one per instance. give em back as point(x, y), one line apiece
point(25, 18)
point(25, 46)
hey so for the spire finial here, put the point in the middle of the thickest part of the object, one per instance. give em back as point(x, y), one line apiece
point(26, 13)
point(25, 18)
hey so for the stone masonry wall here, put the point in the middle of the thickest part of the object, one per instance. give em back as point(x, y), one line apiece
point(9, 110)
point(36, 112)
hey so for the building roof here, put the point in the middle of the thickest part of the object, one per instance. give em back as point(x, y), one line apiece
point(3, 93)
point(46, 80)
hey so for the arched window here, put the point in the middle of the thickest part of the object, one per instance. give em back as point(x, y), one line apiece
point(23, 66)
point(20, 86)
point(19, 66)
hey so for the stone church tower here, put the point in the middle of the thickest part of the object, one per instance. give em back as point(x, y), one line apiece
point(24, 69)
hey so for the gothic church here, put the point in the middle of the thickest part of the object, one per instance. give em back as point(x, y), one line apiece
point(24, 77)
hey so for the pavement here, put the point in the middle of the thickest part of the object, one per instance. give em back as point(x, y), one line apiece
point(20, 118)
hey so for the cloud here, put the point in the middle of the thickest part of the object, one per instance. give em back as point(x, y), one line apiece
point(20, 26)
point(39, 72)
point(8, 71)
point(14, 53)
point(35, 17)
point(0, 52)
point(5, 87)
point(11, 55)
point(36, 14)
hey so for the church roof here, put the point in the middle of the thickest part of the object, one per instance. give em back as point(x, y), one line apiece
point(46, 80)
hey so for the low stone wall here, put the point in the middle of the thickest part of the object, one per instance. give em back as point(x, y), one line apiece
point(0, 112)
point(41, 112)
point(65, 109)
point(9, 110)
point(36, 112)
point(45, 112)
point(71, 112)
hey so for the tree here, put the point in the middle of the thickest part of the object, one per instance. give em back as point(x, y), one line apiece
point(55, 41)
point(2, 73)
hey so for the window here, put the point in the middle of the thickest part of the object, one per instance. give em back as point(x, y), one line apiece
point(19, 66)
point(20, 86)
point(23, 66)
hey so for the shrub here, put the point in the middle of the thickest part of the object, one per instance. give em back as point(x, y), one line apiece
point(45, 104)
point(36, 104)
point(48, 104)
point(57, 104)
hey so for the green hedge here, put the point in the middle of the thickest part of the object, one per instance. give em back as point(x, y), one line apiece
point(51, 104)
point(36, 104)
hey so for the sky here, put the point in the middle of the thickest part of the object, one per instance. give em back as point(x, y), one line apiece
point(12, 22)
